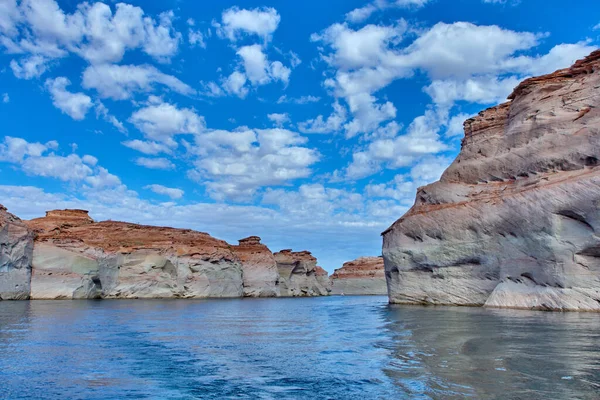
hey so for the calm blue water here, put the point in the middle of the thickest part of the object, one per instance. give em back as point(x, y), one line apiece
point(326, 348)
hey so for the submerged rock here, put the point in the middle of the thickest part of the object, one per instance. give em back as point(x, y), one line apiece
point(16, 253)
point(513, 221)
point(77, 258)
point(299, 275)
point(260, 275)
point(363, 276)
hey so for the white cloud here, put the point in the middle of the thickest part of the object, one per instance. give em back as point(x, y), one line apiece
point(42, 31)
point(255, 64)
point(120, 82)
point(362, 13)
point(332, 124)
point(422, 139)
point(455, 125)
point(147, 147)
point(196, 38)
point(279, 119)
point(103, 179)
point(154, 163)
point(15, 149)
point(236, 84)
point(261, 22)
point(482, 90)
point(102, 111)
point(162, 121)
point(75, 105)
point(465, 62)
point(235, 164)
point(298, 100)
point(167, 191)
point(29, 67)
point(5, 98)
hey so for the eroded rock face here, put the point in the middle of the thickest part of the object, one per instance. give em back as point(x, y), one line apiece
point(363, 276)
point(514, 221)
point(298, 274)
point(16, 253)
point(77, 258)
point(260, 274)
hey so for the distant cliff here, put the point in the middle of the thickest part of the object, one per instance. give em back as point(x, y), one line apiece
point(363, 276)
point(66, 255)
point(514, 221)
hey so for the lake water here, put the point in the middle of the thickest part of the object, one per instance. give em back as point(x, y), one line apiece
point(325, 348)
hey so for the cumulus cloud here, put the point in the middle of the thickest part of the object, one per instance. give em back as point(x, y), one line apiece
point(5, 98)
point(421, 139)
point(320, 124)
point(469, 62)
point(120, 82)
point(236, 22)
point(235, 164)
point(362, 13)
point(166, 191)
point(37, 159)
point(42, 31)
point(147, 147)
point(75, 105)
point(279, 119)
point(155, 163)
point(161, 121)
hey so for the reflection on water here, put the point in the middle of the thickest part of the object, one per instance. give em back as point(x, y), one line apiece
point(337, 348)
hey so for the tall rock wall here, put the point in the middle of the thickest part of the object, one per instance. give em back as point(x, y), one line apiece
point(363, 276)
point(299, 275)
point(16, 253)
point(260, 274)
point(76, 258)
point(514, 221)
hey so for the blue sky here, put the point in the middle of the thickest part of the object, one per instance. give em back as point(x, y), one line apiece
point(310, 124)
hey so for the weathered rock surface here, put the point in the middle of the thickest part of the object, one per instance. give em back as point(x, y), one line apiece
point(16, 253)
point(77, 258)
point(363, 276)
point(260, 274)
point(514, 221)
point(299, 275)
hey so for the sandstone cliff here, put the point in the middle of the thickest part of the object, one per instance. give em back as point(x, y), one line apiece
point(74, 258)
point(260, 274)
point(513, 221)
point(16, 248)
point(298, 274)
point(363, 276)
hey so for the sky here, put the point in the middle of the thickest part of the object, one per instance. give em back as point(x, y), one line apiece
point(308, 123)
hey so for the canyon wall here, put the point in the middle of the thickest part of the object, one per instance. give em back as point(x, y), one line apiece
point(363, 276)
point(514, 221)
point(299, 275)
point(16, 253)
point(66, 255)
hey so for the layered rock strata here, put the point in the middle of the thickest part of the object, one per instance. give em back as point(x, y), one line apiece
point(299, 275)
point(77, 258)
point(16, 253)
point(514, 221)
point(260, 274)
point(363, 276)
point(66, 255)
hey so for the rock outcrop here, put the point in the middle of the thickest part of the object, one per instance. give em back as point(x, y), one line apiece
point(16, 253)
point(260, 274)
point(514, 221)
point(299, 275)
point(76, 258)
point(363, 276)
